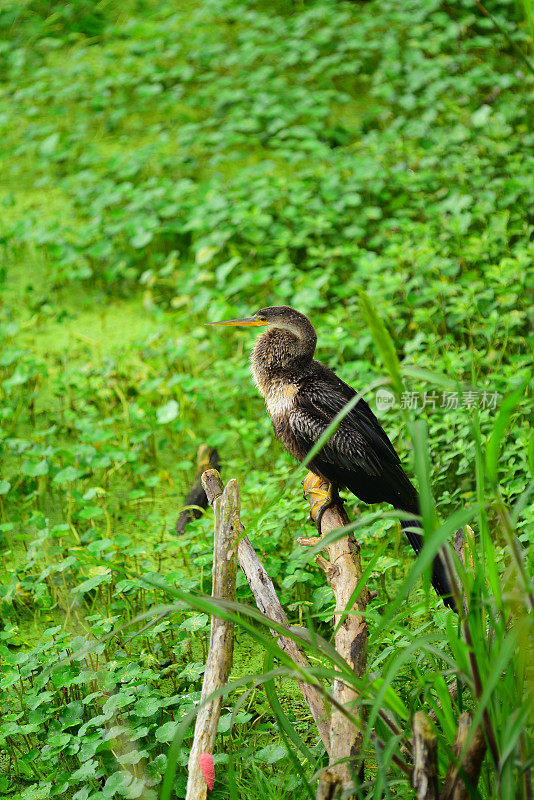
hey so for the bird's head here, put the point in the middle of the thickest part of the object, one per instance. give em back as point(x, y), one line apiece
point(289, 338)
point(275, 317)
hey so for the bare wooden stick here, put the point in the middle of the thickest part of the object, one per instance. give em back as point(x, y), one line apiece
point(219, 661)
point(425, 765)
point(343, 571)
point(213, 485)
point(268, 603)
point(467, 765)
point(463, 544)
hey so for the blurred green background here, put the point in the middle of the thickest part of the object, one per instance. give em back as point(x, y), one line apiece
point(168, 164)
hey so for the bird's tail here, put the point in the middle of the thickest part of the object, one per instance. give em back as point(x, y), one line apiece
point(440, 576)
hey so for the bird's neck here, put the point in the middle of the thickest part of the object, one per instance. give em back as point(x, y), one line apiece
point(280, 355)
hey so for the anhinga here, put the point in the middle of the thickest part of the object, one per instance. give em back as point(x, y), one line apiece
point(303, 397)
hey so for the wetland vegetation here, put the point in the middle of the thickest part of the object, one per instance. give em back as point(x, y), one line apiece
point(165, 164)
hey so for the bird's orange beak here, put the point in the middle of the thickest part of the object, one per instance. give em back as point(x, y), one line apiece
point(245, 321)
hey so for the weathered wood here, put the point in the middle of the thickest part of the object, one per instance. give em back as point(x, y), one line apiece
point(268, 603)
point(463, 545)
point(206, 457)
point(467, 765)
point(425, 766)
point(329, 785)
point(343, 571)
point(213, 485)
point(219, 662)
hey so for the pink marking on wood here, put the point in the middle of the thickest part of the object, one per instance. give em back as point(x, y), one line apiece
point(207, 768)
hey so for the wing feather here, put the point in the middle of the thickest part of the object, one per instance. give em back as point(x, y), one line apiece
point(359, 454)
point(353, 445)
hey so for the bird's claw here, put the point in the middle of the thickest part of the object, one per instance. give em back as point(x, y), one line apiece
point(324, 500)
point(311, 484)
point(321, 498)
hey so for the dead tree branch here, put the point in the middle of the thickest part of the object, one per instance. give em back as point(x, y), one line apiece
point(268, 603)
point(464, 772)
point(219, 661)
point(343, 571)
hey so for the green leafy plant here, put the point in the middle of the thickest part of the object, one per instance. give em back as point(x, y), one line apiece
point(164, 165)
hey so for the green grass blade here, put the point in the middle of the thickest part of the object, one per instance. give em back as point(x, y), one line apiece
point(287, 730)
point(499, 429)
point(424, 560)
point(223, 691)
point(418, 432)
point(382, 339)
point(435, 378)
point(283, 721)
point(530, 454)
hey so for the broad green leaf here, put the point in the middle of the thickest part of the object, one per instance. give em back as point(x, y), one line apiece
point(195, 622)
point(34, 470)
point(67, 475)
point(271, 753)
point(167, 731)
point(147, 707)
point(141, 239)
point(168, 412)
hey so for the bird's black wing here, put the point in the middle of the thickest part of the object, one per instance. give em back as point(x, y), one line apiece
point(358, 455)
point(349, 445)
point(364, 413)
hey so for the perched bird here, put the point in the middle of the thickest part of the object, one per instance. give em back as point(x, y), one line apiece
point(303, 397)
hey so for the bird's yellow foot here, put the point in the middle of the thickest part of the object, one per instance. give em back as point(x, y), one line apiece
point(322, 495)
point(321, 500)
point(324, 500)
point(312, 484)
